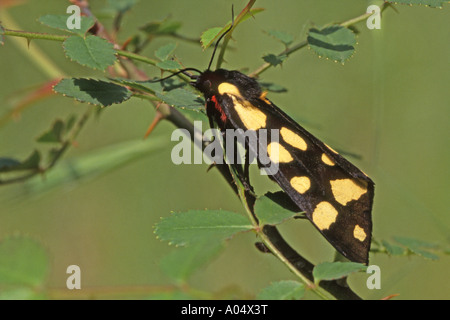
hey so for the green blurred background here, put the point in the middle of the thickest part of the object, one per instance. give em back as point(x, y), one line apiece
point(389, 104)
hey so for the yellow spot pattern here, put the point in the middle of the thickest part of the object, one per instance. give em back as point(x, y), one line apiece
point(278, 154)
point(327, 160)
point(359, 233)
point(229, 89)
point(324, 215)
point(301, 184)
point(293, 139)
point(331, 149)
point(251, 117)
point(346, 190)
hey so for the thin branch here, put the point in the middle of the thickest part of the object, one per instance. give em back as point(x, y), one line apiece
point(59, 153)
point(304, 43)
point(296, 262)
point(136, 57)
point(285, 52)
point(227, 38)
point(34, 35)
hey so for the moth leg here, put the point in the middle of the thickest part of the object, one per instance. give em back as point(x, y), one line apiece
point(242, 170)
point(244, 176)
point(247, 165)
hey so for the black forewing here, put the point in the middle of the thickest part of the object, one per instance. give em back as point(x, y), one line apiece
point(309, 163)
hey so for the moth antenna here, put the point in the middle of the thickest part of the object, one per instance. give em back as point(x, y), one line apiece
point(184, 71)
point(221, 37)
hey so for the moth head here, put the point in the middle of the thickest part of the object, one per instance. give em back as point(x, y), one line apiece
point(208, 82)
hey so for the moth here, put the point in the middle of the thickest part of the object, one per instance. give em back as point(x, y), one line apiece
point(333, 193)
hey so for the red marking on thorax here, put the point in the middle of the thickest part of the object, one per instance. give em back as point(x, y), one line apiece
point(223, 116)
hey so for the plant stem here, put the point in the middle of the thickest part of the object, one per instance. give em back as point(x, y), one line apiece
point(59, 153)
point(355, 20)
point(45, 36)
point(239, 18)
point(286, 52)
point(136, 57)
point(36, 56)
point(34, 35)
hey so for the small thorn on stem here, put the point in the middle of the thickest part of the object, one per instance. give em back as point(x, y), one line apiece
point(126, 43)
point(212, 165)
point(158, 117)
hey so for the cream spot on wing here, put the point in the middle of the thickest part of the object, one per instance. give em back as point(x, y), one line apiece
point(278, 154)
point(359, 233)
point(346, 190)
point(301, 184)
point(229, 89)
point(324, 215)
point(293, 139)
point(252, 118)
point(327, 160)
point(331, 149)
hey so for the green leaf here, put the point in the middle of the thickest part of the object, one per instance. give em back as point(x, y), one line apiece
point(273, 87)
point(181, 98)
point(92, 51)
point(6, 164)
point(182, 262)
point(70, 123)
point(31, 163)
point(199, 226)
point(209, 36)
point(152, 87)
point(424, 253)
point(393, 249)
point(282, 290)
point(144, 86)
point(335, 270)
point(166, 27)
point(270, 212)
point(170, 92)
point(168, 65)
point(431, 3)
point(54, 135)
point(416, 246)
point(415, 243)
point(334, 42)
point(283, 37)
point(96, 92)
point(274, 60)
point(60, 22)
point(22, 262)
point(121, 6)
point(164, 52)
